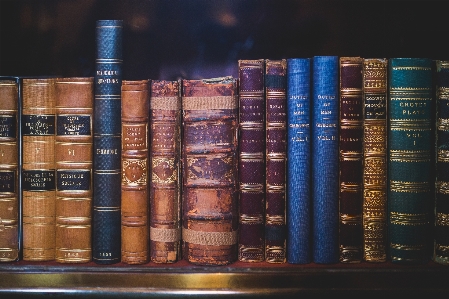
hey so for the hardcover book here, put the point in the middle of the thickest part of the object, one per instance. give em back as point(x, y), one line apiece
point(106, 231)
point(251, 160)
point(410, 151)
point(165, 171)
point(209, 153)
point(73, 157)
point(325, 183)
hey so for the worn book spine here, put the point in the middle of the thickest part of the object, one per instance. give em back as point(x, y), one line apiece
point(251, 160)
point(375, 160)
point(106, 230)
point(209, 153)
point(134, 185)
point(325, 156)
point(351, 159)
point(9, 170)
point(276, 160)
point(73, 158)
point(38, 173)
point(441, 246)
point(298, 162)
point(165, 171)
point(410, 150)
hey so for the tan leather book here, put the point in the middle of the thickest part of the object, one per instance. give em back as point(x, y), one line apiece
point(134, 183)
point(73, 158)
point(165, 195)
point(9, 167)
point(38, 169)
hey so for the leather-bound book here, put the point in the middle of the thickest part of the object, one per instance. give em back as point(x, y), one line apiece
point(410, 154)
point(9, 169)
point(276, 160)
point(38, 170)
point(251, 160)
point(106, 223)
point(134, 195)
point(73, 157)
point(165, 171)
point(209, 157)
point(375, 160)
point(325, 157)
point(351, 159)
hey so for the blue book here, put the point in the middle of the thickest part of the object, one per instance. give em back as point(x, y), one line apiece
point(325, 159)
point(298, 162)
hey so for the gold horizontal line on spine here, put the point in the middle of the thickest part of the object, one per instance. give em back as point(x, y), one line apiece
point(107, 209)
point(348, 187)
point(251, 188)
point(165, 103)
point(406, 247)
point(105, 172)
point(280, 124)
point(213, 102)
point(252, 126)
point(411, 68)
point(108, 97)
point(247, 219)
point(74, 82)
point(275, 219)
point(409, 187)
point(408, 90)
point(351, 92)
point(409, 156)
point(408, 219)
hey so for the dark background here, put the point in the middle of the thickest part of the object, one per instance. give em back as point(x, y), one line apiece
point(169, 39)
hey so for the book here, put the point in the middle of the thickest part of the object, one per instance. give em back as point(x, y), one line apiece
point(375, 160)
point(106, 221)
point(209, 159)
point(134, 185)
point(299, 204)
point(251, 245)
point(410, 166)
point(165, 171)
point(325, 156)
point(73, 159)
point(38, 169)
point(351, 159)
point(9, 169)
point(441, 246)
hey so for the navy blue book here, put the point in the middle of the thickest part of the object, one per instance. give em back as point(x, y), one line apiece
point(298, 162)
point(106, 241)
point(325, 159)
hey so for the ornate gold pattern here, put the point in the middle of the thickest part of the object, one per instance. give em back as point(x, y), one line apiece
point(408, 219)
point(164, 171)
point(410, 187)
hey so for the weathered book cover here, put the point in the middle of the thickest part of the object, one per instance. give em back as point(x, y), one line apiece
point(165, 171)
point(410, 150)
point(73, 157)
point(209, 153)
point(251, 160)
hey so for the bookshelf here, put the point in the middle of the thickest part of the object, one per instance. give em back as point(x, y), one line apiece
point(194, 39)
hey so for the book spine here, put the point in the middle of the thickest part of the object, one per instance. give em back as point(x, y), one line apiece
point(276, 160)
point(209, 153)
point(441, 248)
point(38, 174)
point(325, 159)
point(9, 170)
point(165, 170)
point(73, 159)
point(106, 243)
point(410, 149)
point(134, 184)
point(375, 160)
point(351, 159)
point(251, 160)
point(298, 162)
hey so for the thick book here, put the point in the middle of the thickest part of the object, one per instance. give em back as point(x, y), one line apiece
point(165, 171)
point(74, 98)
point(9, 169)
point(325, 156)
point(299, 204)
point(375, 159)
point(251, 160)
point(38, 169)
point(410, 167)
point(441, 247)
point(351, 159)
point(209, 158)
point(106, 223)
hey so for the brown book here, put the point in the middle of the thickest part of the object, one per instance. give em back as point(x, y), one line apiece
point(73, 158)
point(165, 195)
point(9, 170)
point(209, 157)
point(38, 169)
point(134, 183)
